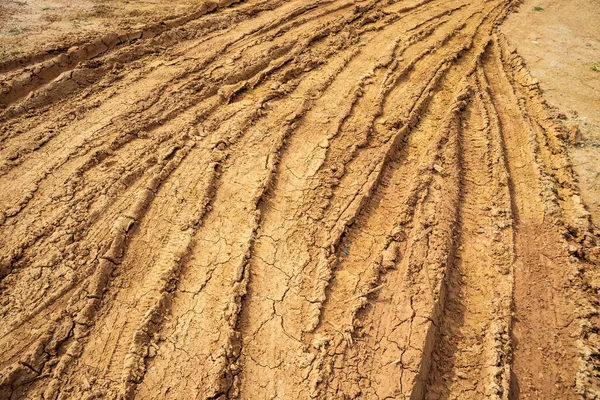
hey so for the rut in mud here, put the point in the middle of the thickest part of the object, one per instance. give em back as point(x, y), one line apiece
point(266, 199)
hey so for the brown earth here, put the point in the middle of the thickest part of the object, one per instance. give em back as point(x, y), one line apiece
point(288, 200)
point(26, 26)
point(561, 45)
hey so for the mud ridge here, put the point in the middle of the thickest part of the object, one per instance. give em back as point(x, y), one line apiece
point(263, 199)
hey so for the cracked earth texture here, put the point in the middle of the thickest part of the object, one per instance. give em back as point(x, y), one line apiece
point(289, 200)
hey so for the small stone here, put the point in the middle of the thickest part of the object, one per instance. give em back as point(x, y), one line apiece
point(575, 135)
point(389, 256)
point(320, 341)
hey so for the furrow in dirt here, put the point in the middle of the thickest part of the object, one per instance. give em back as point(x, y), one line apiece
point(472, 353)
point(267, 199)
point(71, 325)
point(123, 139)
point(539, 268)
point(46, 71)
point(296, 174)
point(368, 285)
point(214, 144)
point(220, 257)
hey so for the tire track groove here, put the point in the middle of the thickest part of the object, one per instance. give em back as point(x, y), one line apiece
point(267, 199)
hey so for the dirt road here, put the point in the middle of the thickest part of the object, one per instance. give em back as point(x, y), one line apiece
point(561, 46)
point(288, 200)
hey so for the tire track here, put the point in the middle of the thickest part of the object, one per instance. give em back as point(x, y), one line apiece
point(539, 269)
point(332, 199)
point(364, 285)
point(112, 148)
point(472, 352)
point(45, 71)
point(229, 258)
point(292, 173)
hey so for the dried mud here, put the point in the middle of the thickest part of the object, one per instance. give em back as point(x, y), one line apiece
point(266, 199)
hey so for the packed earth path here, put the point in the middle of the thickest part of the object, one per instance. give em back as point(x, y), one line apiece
point(271, 199)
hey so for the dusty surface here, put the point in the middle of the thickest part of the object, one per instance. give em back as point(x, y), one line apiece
point(31, 27)
point(279, 200)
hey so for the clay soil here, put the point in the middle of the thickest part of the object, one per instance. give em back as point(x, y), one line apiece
point(326, 199)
